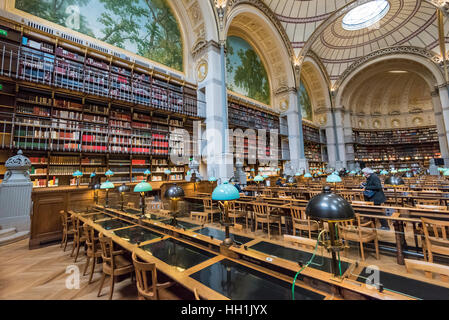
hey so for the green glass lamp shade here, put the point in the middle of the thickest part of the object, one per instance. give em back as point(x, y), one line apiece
point(319, 173)
point(328, 206)
point(167, 171)
point(353, 172)
point(298, 174)
point(109, 173)
point(442, 169)
point(123, 188)
point(147, 172)
point(258, 178)
point(333, 178)
point(212, 179)
point(93, 174)
point(336, 173)
point(307, 175)
point(265, 176)
point(394, 181)
point(277, 169)
point(174, 192)
point(107, 185)
point(225, 192)
point(77, 173)
point(394, 171)
point(252, 170)
point(384, 172)
point(446, 173)
point(143, 187)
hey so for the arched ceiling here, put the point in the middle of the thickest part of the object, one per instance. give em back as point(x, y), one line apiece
point(390, 94)
point(407, 23)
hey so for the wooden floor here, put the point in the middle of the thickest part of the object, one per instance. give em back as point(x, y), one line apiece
point(41, 274)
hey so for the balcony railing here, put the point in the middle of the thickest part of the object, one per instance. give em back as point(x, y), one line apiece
point(35, 66)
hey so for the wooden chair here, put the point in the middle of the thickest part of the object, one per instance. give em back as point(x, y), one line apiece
point(429, 202)
point(363, 203)
point(93, 249)
point(359, 232)
point(303, 242)
point(209, 208)
point(114, 263)
point(67, 227)
point(201, 217)
point(262, 215)
point(429, 269)
point(195, 292)
point(235, 211)
point(144, 272)
point(436, 237)
point(301, 222)
point(79, 236)
point(431, 207)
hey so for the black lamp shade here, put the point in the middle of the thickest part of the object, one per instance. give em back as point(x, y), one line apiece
point(174, 192)
point(394, 181)
point(123, 188)
point(328, 206)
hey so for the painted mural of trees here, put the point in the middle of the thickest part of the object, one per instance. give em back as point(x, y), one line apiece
point(246, 73)
point(145, 27)
point(306, 105)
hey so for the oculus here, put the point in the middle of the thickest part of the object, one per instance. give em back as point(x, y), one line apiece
point(365, 15)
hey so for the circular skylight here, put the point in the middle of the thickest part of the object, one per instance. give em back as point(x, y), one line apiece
point(365, 15)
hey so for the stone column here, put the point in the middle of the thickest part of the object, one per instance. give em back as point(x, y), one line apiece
point(339, 118)
point(335, 139)
point(15, 194)
point(348, 140)
point(441, 128)
point(295, 136)
point(219, 163)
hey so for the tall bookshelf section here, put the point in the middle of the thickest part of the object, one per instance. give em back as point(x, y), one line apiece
point(244, 115)
point(314, 146)
point(399, 148)
point(71, 108)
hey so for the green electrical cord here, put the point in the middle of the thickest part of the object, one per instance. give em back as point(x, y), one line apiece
point(339, 261)
point(306, 265)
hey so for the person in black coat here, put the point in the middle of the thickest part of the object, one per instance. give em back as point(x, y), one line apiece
point(374, 192)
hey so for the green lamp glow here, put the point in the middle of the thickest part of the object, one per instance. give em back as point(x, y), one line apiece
point(106, 186)
point(226, 192)
point(258, 178)
point(384, 172)
point(212, 179)
point(142, 187)
point(77, 174)
point(307, 175)
point(93, 174)
point(265, 176)
point(298, 174)
point(109, 173)
point(446, 173)
point(333, 178)
point(319, 173)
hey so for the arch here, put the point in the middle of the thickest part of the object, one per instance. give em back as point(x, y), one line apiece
point(251, 24)
point(318, 87)
point(430, 70)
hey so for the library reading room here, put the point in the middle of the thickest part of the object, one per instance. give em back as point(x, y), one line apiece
point(224, 150)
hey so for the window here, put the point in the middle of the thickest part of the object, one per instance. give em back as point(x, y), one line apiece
point(365, 15)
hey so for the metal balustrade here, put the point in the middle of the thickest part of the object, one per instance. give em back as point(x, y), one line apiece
point(28, 64)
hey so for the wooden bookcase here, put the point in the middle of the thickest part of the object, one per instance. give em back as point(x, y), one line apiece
point(71, 108)
point(400, 148)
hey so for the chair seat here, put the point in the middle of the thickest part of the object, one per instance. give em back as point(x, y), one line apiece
point(122, 266)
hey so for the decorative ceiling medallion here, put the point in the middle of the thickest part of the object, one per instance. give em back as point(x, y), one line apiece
point(201, 70)
point(376, 124)
point(283, 105)
point(361, 123)
point(395, 123)
point(418, 121)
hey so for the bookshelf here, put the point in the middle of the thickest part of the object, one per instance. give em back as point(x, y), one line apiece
point(69, 108)
point(314, 146)
point(412, 147)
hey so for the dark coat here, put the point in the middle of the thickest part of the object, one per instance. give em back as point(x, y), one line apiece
point(373, 183)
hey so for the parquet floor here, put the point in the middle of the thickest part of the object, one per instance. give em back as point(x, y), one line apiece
point(41, 274)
